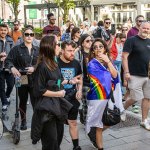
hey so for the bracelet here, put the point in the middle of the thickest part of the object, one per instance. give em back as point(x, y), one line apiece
point(126, 72)
point(109, 62)
point(68, 81)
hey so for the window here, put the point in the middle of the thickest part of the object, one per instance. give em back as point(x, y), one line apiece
point(118, 17)
point(124, 17)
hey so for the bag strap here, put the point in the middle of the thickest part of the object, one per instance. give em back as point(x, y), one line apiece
point(112, 96)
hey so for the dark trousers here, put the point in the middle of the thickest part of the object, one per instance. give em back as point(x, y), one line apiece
point(23, 92)
point(52, 135)
point(4, 94)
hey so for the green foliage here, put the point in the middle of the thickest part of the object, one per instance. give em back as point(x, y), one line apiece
point(38, 30)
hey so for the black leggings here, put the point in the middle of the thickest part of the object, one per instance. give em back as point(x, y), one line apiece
point(23, 92)
point(52, 135)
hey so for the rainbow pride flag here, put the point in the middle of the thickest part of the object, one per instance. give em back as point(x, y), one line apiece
point(101, 82)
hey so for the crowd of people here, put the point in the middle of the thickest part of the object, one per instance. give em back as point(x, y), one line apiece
point(72, 66)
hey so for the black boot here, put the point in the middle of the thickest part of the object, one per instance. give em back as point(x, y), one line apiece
point(100, 149)
point(23, 125)
point(77, 148)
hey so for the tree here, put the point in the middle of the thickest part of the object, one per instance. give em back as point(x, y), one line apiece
point(66, 5)
point(14, 5)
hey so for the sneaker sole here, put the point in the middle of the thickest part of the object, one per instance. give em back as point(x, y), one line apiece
point(144, 127)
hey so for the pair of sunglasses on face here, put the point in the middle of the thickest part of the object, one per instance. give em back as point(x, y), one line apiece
point(29, 34)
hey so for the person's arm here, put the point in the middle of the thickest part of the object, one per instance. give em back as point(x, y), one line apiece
point(79, 88)
point(125, 65)
point(49, 93)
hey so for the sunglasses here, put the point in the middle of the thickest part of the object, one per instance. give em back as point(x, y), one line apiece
point(108, 22)
point(52, 19)
point(98, 47)
point(140, 21)
point(124, 29)
point(88, 41)
point(29, 34)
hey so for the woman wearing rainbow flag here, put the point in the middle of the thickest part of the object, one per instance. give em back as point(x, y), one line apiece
point(101, 73)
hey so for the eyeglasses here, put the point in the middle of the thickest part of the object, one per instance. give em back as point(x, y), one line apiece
point(29, 34)
point(122, 41)
point(52, 19)
point(88, 41)
point(98, 47)
point(124, 29)
point(108, 22)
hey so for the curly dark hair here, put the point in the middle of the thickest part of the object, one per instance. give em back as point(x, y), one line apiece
point(92, 55)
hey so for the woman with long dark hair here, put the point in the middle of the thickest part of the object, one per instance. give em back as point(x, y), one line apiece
point(101, 72)
point(47, 72)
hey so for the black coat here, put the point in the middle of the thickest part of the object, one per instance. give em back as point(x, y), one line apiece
point(48, 108)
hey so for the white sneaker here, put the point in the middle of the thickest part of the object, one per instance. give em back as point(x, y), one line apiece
point(8, 100)
point(123, 116)
point(4, 107)
point(28, 102)
point(145, 124)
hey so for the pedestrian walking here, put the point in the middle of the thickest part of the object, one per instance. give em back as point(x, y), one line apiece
point(82, 55)
point(47, 123)
point(136, 58)
point(72, 73)
point(6, 78)
point(21, 61)
point(101, 72)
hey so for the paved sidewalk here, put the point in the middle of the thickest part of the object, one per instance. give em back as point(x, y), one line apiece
point(127, 135)
point(126, 138)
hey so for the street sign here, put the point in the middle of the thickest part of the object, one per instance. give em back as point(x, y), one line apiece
point(32, 12)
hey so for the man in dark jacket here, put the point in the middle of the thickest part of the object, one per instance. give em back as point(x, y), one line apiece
point(6, 43)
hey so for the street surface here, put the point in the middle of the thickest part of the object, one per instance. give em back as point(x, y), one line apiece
point(127, 135)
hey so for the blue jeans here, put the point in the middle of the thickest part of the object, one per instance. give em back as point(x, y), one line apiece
point(8, 77)
point(118, 65)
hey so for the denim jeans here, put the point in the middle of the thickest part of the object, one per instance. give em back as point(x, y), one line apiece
point(7, 77)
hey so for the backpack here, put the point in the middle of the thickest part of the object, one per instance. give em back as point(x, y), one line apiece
point(100, 32)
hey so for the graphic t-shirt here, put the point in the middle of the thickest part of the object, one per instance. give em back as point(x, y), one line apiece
point(69, 71)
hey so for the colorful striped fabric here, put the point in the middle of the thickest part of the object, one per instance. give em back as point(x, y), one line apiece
point(100, 81)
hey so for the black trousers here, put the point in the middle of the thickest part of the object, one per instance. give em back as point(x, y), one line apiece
point(23, 92)
point(9, 78)
point(52, 135)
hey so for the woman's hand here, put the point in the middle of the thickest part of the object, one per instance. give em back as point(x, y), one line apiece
point(30, 70)
point(79, 95)
point(61, 93)
point(15, 72)
point(103, 57)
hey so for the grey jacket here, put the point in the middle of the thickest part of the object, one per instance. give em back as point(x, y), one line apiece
point(5, 47)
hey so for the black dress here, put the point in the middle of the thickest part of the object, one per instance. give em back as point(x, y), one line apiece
point(52, 132)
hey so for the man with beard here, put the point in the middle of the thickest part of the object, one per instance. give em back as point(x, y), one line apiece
point(6, 43)
point(51, 28)
point(16, 33)
point(136, 59)
point(71, 71)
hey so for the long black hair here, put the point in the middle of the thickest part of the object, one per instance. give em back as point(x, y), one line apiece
point(47, 51)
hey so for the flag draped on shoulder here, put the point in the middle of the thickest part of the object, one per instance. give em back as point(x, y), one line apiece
point(101, 82)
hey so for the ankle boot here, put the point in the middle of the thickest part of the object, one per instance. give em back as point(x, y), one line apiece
point(100, 149)
point(23, 125)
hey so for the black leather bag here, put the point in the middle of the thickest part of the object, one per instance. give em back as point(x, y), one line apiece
point(111, 117)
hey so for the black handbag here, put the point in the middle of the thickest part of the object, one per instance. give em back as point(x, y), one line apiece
point(111, 117)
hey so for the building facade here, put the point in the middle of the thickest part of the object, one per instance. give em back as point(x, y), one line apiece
point(118, 10)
